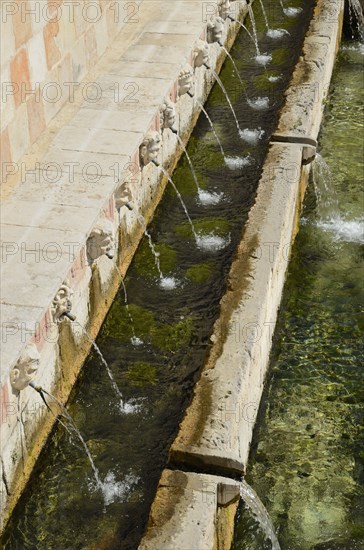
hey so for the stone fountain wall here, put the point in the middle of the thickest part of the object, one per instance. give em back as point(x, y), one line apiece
point(69, 216)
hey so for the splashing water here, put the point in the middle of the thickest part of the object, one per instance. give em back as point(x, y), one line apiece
point(212, 126)
point(260, 58)
point(351, 231)
point(263, 59)
point(259, 103)
point(165, 282)
point(113, 490)
point(274, 78)
point(252, 136)
point(292, 12)
point(207, 197)
point(238, 162)
point(218, 80)
point(257, 508)
point(168, 283)
point(211, 242)
point(327, 206)
point(277, 33)
point(206, 242)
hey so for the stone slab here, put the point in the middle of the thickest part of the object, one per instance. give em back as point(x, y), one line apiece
point(66, 189)
point(37, 275)
point(217, 428)
point(95, 140)
point(183, 515)
point(166, 71)
point(131, 92)
point(58, 160)
point(126, 120)
point(38, 214)
point(16, 240)
point(152, 54)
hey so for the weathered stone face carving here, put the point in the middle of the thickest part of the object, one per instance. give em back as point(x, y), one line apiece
point(215, 29)
point(201, 54)
point(150, 148)
point(123, 194)
point(224, 8)
point(185, 81)
point(168, 115)
point(62, 304)
point(26, 368)
point(101, 240)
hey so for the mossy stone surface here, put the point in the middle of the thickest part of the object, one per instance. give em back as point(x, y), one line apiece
point(118, 324)
point(172, 337)
point(142, 374)
point(145, 263)
point(199, 273)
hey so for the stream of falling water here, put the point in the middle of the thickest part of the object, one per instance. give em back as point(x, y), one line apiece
point(74, 429)
point(218, 80)
point(104, 362)
point(212, 127)
point(259, 512)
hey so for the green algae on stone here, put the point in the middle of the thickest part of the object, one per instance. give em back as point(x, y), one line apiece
point(280, 56)
point(118, 324)
point(199, 273)
point(173, 337)
point(142, 374)
point(205, 226)
point(145, 260)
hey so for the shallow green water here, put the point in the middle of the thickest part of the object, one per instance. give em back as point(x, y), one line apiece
point(307, 461)
point(60, 508)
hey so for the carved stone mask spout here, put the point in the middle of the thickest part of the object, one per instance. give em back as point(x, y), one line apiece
point(62, 303)
point(101, 240)
point(185, 80)
point(168, 115)
point(150, 148)
point(25, 369)
point(201, 53)
point(123, 194)
point(215, 29)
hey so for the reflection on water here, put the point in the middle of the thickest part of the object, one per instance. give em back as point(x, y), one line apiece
point(307, 460)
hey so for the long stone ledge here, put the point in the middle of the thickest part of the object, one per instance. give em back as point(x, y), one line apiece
point(217, 428)
point(187, 510)
point(74, 184)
